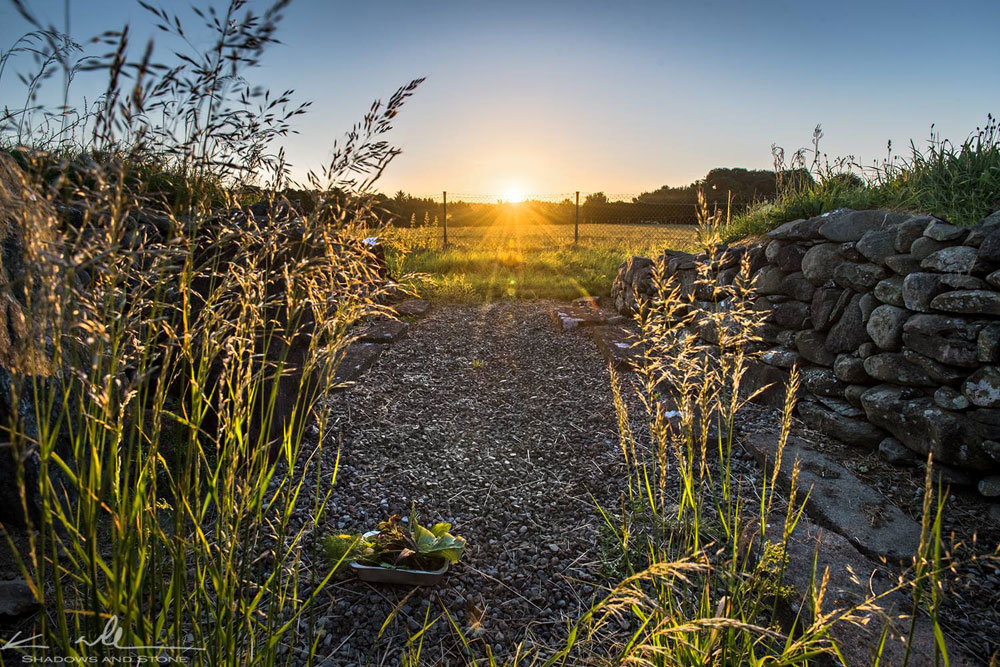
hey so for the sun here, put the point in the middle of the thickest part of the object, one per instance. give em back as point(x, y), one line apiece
point(514, 196)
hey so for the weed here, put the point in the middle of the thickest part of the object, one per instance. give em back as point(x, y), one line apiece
point(172, 346)
point(960, 184)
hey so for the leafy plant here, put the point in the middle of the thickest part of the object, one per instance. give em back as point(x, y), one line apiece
point(399, 543)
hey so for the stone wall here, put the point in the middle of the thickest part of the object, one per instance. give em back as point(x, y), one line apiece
point(893, 319)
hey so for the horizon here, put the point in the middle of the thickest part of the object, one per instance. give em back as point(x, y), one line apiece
point(559, 99)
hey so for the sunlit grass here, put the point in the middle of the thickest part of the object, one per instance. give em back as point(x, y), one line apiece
point(526, 261)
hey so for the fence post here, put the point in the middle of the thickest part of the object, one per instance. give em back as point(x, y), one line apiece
point(576, 223)
point(444, 217)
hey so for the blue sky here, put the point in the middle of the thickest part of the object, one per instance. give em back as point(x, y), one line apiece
point(614, 96)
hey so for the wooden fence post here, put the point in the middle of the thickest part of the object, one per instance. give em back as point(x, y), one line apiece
point(576, 223)
point(444, 218)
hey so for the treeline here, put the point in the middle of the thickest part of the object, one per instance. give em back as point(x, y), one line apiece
point(405, 210)
point(735, 188)
point(743, 186)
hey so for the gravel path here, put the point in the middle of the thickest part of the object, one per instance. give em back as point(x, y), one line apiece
point(486, 417)
point(483, 416)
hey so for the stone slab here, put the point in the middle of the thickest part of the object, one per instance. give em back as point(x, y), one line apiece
point(385, 331)
point(853, 578)
point(840, 501)
point(570, 317)
point(413, 308)
point(358, 358)
point(616, 345)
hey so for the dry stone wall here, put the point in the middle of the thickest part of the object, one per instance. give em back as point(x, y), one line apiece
point(893, 319)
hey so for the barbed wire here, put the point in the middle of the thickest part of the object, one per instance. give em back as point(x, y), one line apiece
point(484, 220)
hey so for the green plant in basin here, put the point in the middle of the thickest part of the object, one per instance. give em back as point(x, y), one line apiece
point(399, 543)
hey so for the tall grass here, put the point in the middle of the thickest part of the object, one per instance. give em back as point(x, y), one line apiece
point(170, 351)
point(701, 571)
point(696, 558)
point(958, 183)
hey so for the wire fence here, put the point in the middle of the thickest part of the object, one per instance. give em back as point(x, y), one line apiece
point(451, 220)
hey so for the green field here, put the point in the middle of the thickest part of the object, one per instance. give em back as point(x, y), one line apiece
point(525, 261)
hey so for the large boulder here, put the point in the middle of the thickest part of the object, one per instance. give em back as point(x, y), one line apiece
point(983, 387)
point(820, 261)
point(877, 244)
point(950, 399)
point(798, 230)
point(950, 340)
point(850, 369)
point(903, 264)
point(989, 247)
point(796, 286)
point(890, 291)
point(772, 248)
point(957, 259)
point(868, 304)
point(849, 332)
point(924, 247)
point(943, 231)
point(822, 382)
point(834, 423)
point(858, 276)
point(918, 290)
point(791, 315)
point(988, 343)
point(894, 367)
point(828, 304)
point(853, 225)
point(885, 326)
point(938, 372)
point(970, 302)
point(780, 357)
point(770, 280)
point(917, 422)
point(789, 257)
point(811, 345)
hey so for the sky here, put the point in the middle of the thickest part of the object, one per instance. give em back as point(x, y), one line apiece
point(620, 97)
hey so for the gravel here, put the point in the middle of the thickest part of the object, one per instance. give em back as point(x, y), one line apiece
point(485, 417)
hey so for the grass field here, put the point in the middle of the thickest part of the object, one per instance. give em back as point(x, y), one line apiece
point(526, 261)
